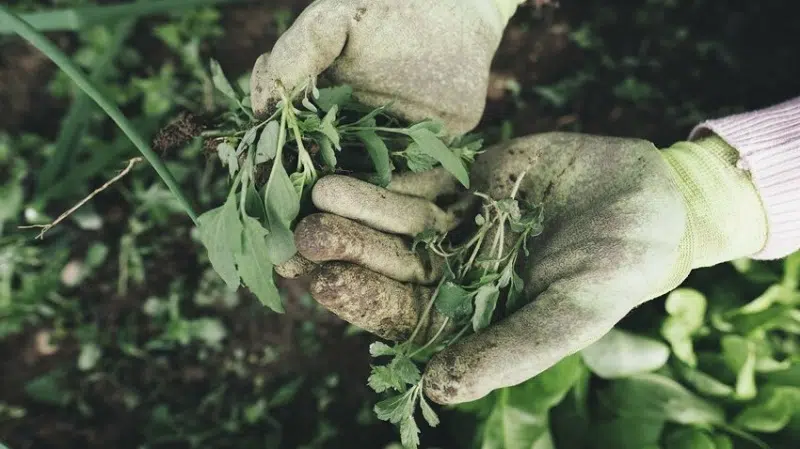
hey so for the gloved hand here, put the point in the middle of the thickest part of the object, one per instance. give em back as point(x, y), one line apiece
point(624, 223)
point(431, 56)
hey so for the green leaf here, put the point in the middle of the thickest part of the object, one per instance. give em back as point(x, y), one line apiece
point(221, 233)
point(689, 438)
point(626, 433)
point(254, 205)
point(267, 146)
point(432, 146)
point(329, 130)
point(722, 441)
point(454, 302)
point(702, 382)
point(427, 412)
point(283, 205)
point(221, 82)
point(227, 154)
point(255, 267)
point(433, 126)
point(405, 369)
point(286, 393)
point(687, 305)
point(417, 160)
point(395, 408)
point(50, 388)
point(379, 154)
point(485, 303)
point(621, 354)
point(740, 356)
point(378, 349)
point(518, 416)
point(686, 309)
point(383, 378)
point(409, 432)
point(334, 96)
point(656, 397)
point(771, 412)
point(328, 155)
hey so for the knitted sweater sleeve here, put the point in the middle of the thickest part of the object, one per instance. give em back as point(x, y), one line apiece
point(768, 142)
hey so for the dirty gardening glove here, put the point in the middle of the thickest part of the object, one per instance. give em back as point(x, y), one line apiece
point(624, 223)
point(431, 56)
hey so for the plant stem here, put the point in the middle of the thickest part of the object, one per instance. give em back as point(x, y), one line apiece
point(433, 339)
point(426, 312)
point(64, 63)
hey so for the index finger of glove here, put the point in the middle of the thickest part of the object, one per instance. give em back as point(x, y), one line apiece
point(379, 208)
point(304, 51)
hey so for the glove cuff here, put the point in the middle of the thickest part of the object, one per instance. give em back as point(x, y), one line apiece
point(507, 8)
point(768, 144)
point(725, 217)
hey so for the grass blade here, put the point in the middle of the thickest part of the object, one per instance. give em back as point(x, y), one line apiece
point(38, 40)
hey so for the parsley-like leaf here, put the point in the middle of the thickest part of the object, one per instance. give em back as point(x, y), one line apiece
point(405, 369)
point(427, 412)
point(409, 432)
point(378, 349)
point(453, 301)
point(383, 378)
point(417, 160)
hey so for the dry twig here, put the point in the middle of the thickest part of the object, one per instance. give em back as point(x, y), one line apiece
point(66, 214)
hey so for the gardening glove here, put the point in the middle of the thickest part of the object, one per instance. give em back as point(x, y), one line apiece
point(431, 57)
point(623, 223)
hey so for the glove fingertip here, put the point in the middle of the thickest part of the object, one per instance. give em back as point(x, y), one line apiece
point(263, 98)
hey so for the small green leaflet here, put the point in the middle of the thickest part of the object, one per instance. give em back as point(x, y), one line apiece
point(740, 356)
point(227, 154)
point(328, 155)
point(409, 432)
point(399, 410)
point(621, 354)
point(378, 349)
point(485, 303)
point(254, 265)
point(328, 129)
point(334, 96)
point(221, 234)
point(453, 301)
point(417, 160)
point(221, 82)
point(435, 148)
point(427, 412)
point(400, 372)
point(267, 146)
point(379, 154)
